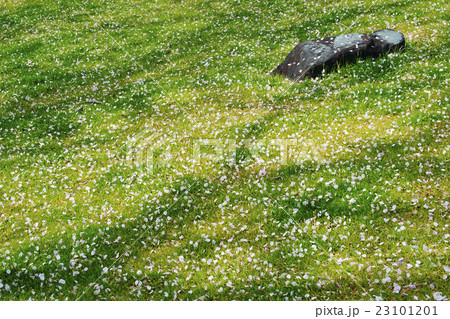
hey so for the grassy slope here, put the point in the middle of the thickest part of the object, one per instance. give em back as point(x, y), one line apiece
point(370, 216)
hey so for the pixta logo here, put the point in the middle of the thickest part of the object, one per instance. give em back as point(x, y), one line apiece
point(149, 150)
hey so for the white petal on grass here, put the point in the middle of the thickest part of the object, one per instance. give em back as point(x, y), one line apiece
point(439, 297)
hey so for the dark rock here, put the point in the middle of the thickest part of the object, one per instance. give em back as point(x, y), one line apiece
point(310, 58)
point(384, 41)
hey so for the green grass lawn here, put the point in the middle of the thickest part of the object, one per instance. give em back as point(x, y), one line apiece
point(355, 208)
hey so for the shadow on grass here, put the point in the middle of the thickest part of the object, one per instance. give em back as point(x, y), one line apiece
point(191, 199)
